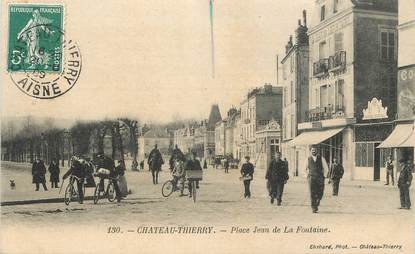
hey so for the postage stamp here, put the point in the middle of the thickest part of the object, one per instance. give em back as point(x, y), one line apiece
point(42, 62)
point(33, 45)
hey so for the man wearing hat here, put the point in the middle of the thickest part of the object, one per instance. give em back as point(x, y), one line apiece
point(317, 168)
point(247, 172)
point(404, 182)
point(192, 164)
point(277, 176)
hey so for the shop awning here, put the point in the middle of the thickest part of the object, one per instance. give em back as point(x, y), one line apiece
point(400, 137)
point(314, 137)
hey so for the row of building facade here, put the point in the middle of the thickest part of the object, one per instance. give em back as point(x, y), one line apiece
point(345, 87)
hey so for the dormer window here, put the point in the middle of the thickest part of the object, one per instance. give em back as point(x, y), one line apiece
point(322, 12)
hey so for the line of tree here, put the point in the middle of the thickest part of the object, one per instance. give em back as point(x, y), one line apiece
point(84, 138)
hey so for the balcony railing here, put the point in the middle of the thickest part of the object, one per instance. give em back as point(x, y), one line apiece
point(321, 67)
point(337, 61)
point(324, 113)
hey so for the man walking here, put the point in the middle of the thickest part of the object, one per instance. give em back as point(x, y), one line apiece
point(404, 182)
point(226, 164)
point(335, 174)
point(277, 176)
point(247, 172)
point(316, 168)
point(389, 170)
point(38, 174)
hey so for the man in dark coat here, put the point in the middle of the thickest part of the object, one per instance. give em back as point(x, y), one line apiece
point(54, 174)
point(192, 164)
point(335, 174)
point(155, 161)
point(404, 182)
point(247, 172)
point(226, 164)
point(316, 168)
point(177, 154)
point(389, 171)
point(108, 163)
point(277, 176)
point(38, 174)
point(78, 170)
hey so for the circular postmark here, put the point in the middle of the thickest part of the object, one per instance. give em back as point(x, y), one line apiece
point(44, 64)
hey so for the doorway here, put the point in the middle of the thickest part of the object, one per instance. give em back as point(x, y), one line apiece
point(376, 163)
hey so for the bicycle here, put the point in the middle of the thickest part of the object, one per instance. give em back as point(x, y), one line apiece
point(109, 192)
point(70, 191)
point(170, 186)
point(194, 176)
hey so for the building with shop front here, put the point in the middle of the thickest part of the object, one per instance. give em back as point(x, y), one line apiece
point(295, 90)
point(401, 141)
point(257, 109)
point(268, 142)
point(352, 84)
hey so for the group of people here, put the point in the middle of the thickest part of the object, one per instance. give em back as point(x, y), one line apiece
point(83, 170)
point(276, 174)
point(179, 163)
point(317, 170)
point(39, 174)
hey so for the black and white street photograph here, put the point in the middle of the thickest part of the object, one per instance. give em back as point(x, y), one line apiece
point(208, 126)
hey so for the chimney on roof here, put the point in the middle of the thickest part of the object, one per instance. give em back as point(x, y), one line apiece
point(305, 18)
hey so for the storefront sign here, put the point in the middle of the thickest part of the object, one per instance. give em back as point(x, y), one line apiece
point(406, 93)
point(375, 110)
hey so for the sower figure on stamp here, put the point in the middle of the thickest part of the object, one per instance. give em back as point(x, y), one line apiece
point(404, 182)
point(54, 173)
point(38, 174)
point(247, 172)
point(277, 176)
point(389, 170)
point(155, 161)
point(316, 168)
point(335, 174)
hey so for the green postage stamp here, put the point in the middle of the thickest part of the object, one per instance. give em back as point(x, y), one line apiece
point(35, 38)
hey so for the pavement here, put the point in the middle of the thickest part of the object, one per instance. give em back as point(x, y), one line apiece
point(364, 212)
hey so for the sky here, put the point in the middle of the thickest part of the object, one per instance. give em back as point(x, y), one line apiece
point(152, 59)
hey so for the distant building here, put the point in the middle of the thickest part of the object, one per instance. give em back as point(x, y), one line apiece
point(209, 140)
point(191, 138)
point(224, 134)
point(352, 86)
point(295, 94)
point(163, 139)
point(257, 109)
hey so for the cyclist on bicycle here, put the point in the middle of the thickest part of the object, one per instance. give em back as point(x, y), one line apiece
point(77, 170)
point(179, 175)
point(105, 162)
point(192, 164)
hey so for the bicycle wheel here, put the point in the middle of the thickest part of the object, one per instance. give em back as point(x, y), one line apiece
point(111, 192)
point(167, 188)
point(96, 194)
point(68, 194)
point(194, 191)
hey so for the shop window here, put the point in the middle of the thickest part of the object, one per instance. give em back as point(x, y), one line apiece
point(384, 156)
point(364, 154)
